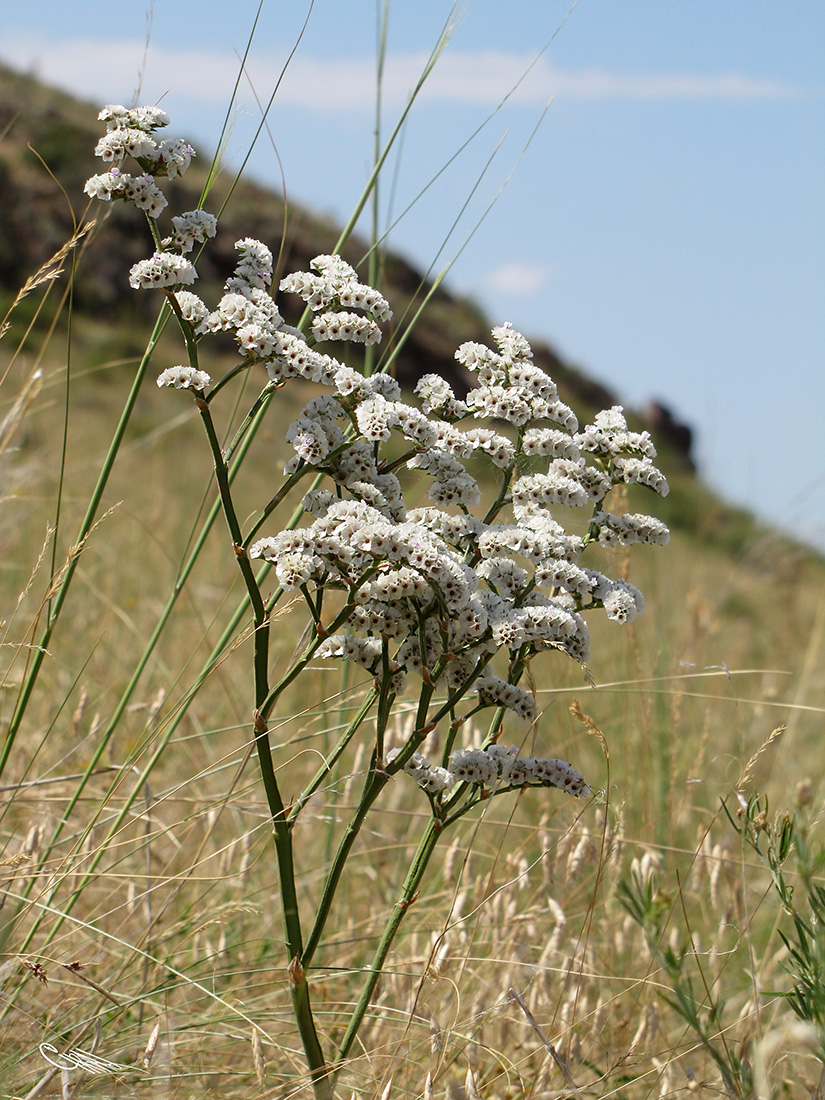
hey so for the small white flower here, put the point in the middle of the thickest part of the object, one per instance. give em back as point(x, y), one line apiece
point(647, 528)
point(498, 402)
point(184, 378)
point(437, 396)
point(343, 325)
point(520, 773)
point(566, 575)
point(375, 418)
point(493, 690)
point(364, 651)
point(630, 528)
point(609, 435)
point(558, 773)
point(435, 779)
point(107, 186)
point(511, 343)
point(561, 414)
point(473, 766)
point(335, 269)
point(308, 439)
point(478, 358)
point(172, 158)
point(355, 295)
point(417, 427)
point(640, 471)
point(192, 308)
point(532, 379)
point(499, 449)
point(551, 442)
point(254, 267)
point(504, 575)
point(193, 227)
point(162, 270)
point(623, 602)
point(141, 190)
point(456, 489)
point(141, 118)
point(538, 490)
point(145, 194)
point(256, 340)
point(350, 382)
point(123, 142)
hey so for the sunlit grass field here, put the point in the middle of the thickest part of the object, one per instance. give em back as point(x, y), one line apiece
point(140, 919)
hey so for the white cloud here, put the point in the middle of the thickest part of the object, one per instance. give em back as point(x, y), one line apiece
point(108, 70)
point(111, 71)
point(517, 279)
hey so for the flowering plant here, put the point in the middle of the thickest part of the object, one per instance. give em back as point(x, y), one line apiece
point(457, 596)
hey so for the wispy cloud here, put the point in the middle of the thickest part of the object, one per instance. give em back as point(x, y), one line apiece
point(102, 69)
point(517, 279)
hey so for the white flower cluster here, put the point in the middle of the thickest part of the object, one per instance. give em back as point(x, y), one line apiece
point(494, 766)
point(193, 227)
point(503, 766)
point(131, 133)
point(628, 455)
point(184, 378)
point(192, 309)
point(248, 310)
point(345, 308)
point(332, 291)
point(434, 590)
point(446, 590)
point(141, 190)
point(429, 777)
point(629, 528)
point(501, 694)
point(164, 269)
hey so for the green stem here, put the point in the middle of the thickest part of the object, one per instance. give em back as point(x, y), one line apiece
point(228, 506)
point(288, 485)
point(422, 856)
point(322, 1083)
point(377, 778)
point(374, 785)
point(259, 406)
point(282, 832)
point(272, 696)
point(332, 758)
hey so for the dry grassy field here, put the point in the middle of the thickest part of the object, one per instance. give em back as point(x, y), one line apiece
point(641, 942)
point(139, 903)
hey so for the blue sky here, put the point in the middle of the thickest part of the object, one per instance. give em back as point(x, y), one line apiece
point(665, 228)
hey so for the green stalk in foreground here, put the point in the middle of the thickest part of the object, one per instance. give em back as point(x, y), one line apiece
point(64, 579)
point(412, 882)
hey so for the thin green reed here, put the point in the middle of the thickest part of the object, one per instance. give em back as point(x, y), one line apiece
point(64, 578)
